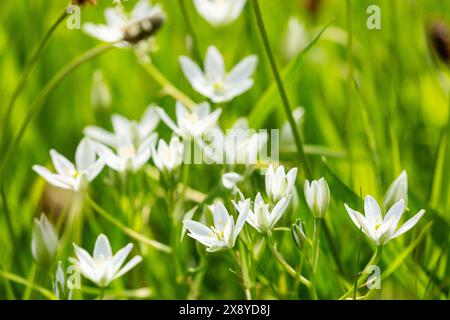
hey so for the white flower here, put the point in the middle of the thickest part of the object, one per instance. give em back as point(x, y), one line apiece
point(168, 157)
point(278, 183)
point(69, 176)
point(224, 233)
point(219, 12)
point(378, 229)
point(215, 83)
point(397, 191)
point(231, 179)
point(44, 242)
point(104, 267)
point(191, 124)
point(60, 287)
point(143, 21)
point(131, 141)
point(296, 38)
point(317, 195)
point(262, 218)
point(240, 145)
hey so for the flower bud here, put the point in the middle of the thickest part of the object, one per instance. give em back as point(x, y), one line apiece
point(44, 242)
point(298, 234)
point(317, 195)
point(397, 191)
point(279, 184)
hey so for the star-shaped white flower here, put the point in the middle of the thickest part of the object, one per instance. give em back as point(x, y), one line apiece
point(140, 24)
point(191, 124)
point(278, 183)
point(69, 176)
point(103, 267)
point(219, 12)
point(261, 217)
point(214, 82)
point(381, 230)
point(128, 147)
point(224, 233)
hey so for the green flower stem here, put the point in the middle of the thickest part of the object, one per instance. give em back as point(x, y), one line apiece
point(40, 99)
point(28, 68)
point(166, 85)
point(364, 275)
point(241, 261)
point(18, 279)
point(191, 30)
point(101, 295)
point(128, 231)
point(286, 104)
point(315, 257)
point(280, 259)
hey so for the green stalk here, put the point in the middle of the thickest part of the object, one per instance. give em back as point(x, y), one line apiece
point(282, 262)
point(28, 68)
point(40, 99)
point(364, 275)
point(191, 30)
point(349, 109)
point(315, 257)
point(282, 90)
point(166, 85)
point(128, 231)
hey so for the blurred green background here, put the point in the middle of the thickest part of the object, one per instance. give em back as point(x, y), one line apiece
point(394, 119)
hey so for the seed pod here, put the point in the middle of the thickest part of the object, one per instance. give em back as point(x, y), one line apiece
point(298, 235)
point(439, 39)
point(83, 2)
point(143, 29)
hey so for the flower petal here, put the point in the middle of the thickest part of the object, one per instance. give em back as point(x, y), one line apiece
point(243, 70)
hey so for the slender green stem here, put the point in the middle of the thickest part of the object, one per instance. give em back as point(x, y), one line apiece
point(315, 257)
point(101, 295)
point(166, 85)
point(349, 109)
point(191, 30)
point(280, 259)
point(364, 274)
point(130, 232)
point(40, 99)
point(29, 282)
point(28, 68)
point(286, 104)
point(7, 212)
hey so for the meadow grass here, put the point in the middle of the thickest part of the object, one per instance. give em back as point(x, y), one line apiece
point(376, 102)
